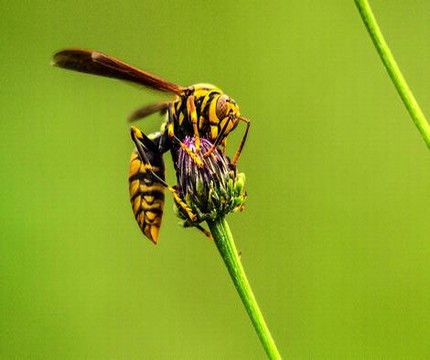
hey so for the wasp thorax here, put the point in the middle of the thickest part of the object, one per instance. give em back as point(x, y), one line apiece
point(210, 191)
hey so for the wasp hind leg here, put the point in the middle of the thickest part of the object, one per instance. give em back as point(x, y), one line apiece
point(205, 232)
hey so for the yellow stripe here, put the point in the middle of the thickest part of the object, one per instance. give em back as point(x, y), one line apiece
point(155, 206)
point(151, 216)
point(134, 187)
point(134, 166)
point(136, 204)
point(155, 187)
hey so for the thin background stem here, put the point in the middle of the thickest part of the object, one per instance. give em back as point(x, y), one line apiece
point(226, 247)
point(393, 69)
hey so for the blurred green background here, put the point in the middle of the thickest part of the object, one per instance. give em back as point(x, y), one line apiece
point(335, 236)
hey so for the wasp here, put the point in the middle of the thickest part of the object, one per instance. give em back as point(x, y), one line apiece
point(200, 110)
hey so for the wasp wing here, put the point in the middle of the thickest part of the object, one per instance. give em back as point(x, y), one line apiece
point(97, 63)
point(148, 110)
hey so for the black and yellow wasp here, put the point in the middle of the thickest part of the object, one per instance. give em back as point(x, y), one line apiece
point(200, 110)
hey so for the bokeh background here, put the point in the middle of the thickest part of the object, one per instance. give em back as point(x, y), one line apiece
point(335, 236)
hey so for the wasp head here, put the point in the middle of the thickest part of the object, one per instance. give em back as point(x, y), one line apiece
point(226, 116)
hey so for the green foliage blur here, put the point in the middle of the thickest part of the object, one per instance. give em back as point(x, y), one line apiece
point(335, 234)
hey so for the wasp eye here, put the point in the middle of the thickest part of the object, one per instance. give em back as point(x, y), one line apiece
point(221, 106)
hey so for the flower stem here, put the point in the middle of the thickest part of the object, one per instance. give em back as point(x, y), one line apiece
point(225, 244)
point(393, 69)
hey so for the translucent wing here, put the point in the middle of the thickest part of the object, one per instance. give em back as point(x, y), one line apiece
point(97, 63)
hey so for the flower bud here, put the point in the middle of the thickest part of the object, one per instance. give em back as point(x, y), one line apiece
point(211, 188)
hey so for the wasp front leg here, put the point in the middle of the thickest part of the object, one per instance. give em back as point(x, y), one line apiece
point(195, 155)
point(222, 140)
point(192, 113)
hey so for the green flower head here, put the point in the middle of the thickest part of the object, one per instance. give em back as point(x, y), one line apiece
point(211, 189)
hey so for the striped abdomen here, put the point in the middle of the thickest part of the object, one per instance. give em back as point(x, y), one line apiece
point(147, 193)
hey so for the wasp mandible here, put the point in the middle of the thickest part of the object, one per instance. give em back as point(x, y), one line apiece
point(200, 110)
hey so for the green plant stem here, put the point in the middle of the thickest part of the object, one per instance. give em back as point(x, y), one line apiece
point(393, 69)
point(226, 247)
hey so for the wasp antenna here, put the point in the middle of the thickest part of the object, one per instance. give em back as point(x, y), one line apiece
point(244, 119)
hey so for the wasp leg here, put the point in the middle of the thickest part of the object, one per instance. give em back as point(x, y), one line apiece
point(183, 205)
point(223, 141)
point(219, 139)
point(242, 142)
point(192, 112)
point(204, 231)
point(190, 152)
point(170, 122)
point(207, 233)
point(143, 144)
point(224, 145)
point(171, 134)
